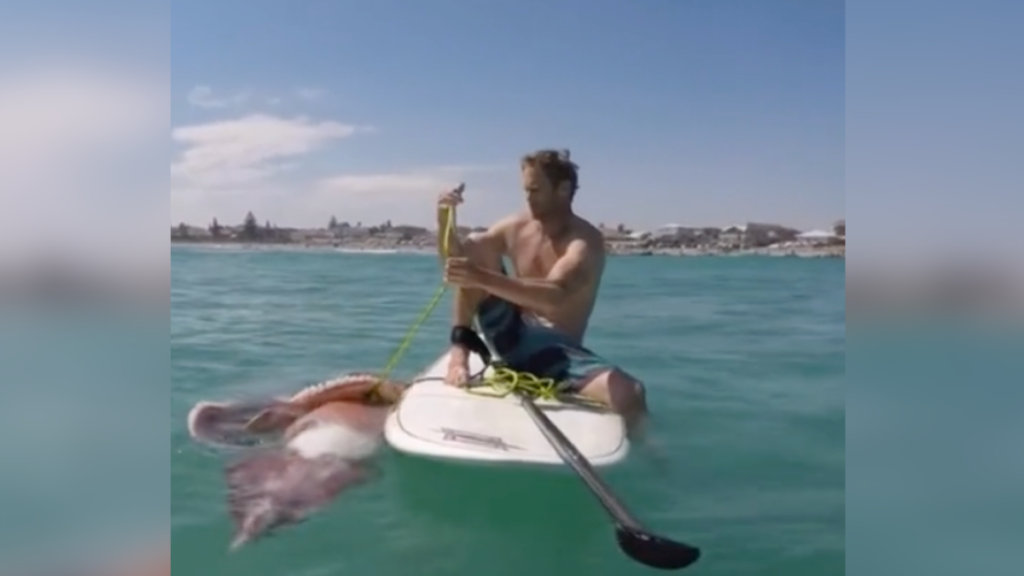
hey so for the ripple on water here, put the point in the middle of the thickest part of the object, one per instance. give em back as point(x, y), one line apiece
point(743, 359)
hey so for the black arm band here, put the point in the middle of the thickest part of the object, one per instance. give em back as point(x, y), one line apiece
point(465, 336)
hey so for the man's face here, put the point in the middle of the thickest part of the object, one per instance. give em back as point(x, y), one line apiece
point(541, 197)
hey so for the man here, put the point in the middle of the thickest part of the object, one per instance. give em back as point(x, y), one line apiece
point(537, 320)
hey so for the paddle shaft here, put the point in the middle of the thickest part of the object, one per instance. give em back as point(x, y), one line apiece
point(578, 462)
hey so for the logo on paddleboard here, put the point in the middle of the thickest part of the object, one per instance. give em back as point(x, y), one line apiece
point(451, 435)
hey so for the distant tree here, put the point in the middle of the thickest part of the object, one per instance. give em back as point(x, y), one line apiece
point(215, 229)
point(182, 230)
point(839, 228)
point(621, 228)
point(250, 229)
point(359, 224)
point(387, 225)
point(333, 224)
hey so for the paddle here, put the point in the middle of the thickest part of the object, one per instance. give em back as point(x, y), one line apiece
point(639, 544)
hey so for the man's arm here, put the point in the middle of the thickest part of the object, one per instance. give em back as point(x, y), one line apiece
point(573, 271)
point(485, 249)
point(491, 244)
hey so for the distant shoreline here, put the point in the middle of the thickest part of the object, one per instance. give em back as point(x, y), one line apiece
point(376, 246)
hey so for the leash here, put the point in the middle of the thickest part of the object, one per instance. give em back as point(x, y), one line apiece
point(406, 341)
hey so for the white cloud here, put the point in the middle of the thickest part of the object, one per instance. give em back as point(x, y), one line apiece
point(406, 197)
point(228, 167)
point(260, 163)
point(204, 97)
point(377, 185)
point(247, 150)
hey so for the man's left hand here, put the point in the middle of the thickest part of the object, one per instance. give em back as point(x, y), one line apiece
point(462, 273)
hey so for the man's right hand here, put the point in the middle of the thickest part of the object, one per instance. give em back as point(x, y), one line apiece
point(458, 367)
point(450, 198)
point(446, 202)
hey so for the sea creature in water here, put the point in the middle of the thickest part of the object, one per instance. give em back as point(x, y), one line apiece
point(328, 432)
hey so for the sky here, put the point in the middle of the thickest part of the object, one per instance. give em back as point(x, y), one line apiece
point(901, 113)
point(933, 131)
point(84, 100)
point(700, 113)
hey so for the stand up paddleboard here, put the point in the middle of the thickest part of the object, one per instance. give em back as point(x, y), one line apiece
point(437, 421)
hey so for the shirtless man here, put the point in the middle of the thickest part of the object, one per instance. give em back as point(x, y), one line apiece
point(536, 321)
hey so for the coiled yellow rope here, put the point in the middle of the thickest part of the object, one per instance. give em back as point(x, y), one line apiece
point(504, 381)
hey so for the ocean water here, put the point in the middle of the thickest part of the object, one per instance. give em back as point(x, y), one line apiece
point(84, 467)
point(744, 359)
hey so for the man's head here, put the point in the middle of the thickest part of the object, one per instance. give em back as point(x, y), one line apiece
point(550, 181)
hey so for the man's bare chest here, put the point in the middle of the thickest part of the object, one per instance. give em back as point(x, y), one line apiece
point(534, 255)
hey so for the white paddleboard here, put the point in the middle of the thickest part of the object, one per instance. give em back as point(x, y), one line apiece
point(437, 421)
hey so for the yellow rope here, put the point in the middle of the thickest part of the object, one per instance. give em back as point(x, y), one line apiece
point(403, 346)
point(504, 381)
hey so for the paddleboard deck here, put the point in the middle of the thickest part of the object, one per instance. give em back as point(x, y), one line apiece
point(437, 421)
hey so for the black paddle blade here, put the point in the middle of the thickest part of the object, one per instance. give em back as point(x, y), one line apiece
point(655, 551)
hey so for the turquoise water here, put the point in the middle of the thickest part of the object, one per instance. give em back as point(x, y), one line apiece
point(744, 359)
point(84, 471)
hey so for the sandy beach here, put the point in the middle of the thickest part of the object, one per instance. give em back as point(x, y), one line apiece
point(392, 246)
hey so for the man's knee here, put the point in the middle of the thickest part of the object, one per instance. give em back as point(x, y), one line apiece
point(620, 391)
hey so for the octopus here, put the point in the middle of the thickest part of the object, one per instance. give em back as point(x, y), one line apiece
point(322, 441)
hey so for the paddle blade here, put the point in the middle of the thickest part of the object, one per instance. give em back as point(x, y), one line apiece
point(655, 551)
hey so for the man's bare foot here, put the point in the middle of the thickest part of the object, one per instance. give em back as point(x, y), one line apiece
point(458, 367)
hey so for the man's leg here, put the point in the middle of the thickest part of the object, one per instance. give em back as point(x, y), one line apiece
point(583, 372)
point(466, 302)
point(621, 392)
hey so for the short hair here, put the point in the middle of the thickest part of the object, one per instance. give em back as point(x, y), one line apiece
point(556, 167)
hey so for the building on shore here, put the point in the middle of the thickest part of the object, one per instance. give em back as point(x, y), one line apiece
point(751, 236)
point(816, 238)
point(680, 236)
point(756, 235)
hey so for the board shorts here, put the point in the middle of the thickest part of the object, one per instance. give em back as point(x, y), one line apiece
point(534, 348)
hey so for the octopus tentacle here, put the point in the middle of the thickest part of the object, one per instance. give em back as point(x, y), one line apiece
point(348, 387)
point(358, 387)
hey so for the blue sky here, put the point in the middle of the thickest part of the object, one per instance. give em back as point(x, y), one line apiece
point(706, 113)
point(677, 111)
point(934, 124)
